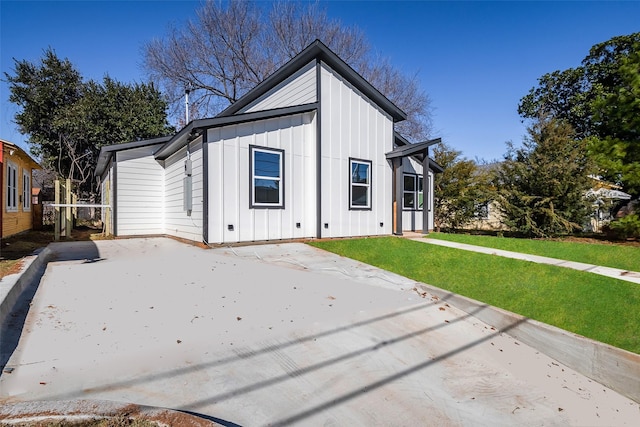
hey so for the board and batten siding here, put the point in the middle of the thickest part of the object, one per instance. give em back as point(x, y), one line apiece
point(231, 219)
point(353, 127)
point(177, 221)
point(298, 89)
point(139, 193)
point(412, 219)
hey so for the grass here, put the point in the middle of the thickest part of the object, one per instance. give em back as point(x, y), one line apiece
point(626, 257)
point(601, 308)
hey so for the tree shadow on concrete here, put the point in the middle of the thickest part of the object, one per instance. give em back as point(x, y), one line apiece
point(16, 304)
point(195, 406)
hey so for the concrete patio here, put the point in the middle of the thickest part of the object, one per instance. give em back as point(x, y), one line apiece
point(280, 335)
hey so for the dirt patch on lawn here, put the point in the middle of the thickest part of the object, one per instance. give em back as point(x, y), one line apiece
point(14, 248)
point(598, 240)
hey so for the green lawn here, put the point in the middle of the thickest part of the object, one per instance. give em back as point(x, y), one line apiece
point(601, 308)
point(608, 255)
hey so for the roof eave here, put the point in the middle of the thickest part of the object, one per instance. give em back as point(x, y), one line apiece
point(196, 126)
point(106, 152)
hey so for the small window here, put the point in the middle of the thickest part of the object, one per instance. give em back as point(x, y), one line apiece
point(12, 187)
point(360, 186)
point(26, 190)
point(267, 185)
point(481, 211)
point(413, 193)
point(409, 196)
point(420, 193)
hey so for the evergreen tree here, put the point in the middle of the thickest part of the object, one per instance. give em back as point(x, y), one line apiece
point(541, 186)
point(68, 120)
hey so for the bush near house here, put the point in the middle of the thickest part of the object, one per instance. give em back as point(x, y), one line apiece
point(627, 227)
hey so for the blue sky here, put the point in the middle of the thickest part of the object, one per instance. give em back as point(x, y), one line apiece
point(474, 59)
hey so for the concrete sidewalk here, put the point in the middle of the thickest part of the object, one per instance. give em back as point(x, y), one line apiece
point(629, 276)
point(282, 335)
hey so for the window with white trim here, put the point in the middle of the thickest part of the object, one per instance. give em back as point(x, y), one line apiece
point(267, 184)
point(413, 194)
point(360, 184)
point(12, 187)
point(26, 190)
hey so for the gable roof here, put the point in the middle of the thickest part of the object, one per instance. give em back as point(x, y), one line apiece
point(106, 152)
point(10, 149)
point(317, 50)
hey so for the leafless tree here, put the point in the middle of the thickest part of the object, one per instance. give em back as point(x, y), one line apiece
point(230, 47)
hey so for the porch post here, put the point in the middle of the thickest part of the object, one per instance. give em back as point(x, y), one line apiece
point(425, 192)
point(398, 194)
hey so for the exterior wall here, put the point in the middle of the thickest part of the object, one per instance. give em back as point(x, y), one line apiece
point(491, 222)
point(353, 127)
point(229, 180)
point(139, 193)
point(178, 222)
point(412, 219)
point(19, 219)
point(298, 89)
point(106, 198)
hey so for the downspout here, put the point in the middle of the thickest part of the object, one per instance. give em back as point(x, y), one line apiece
point(114, 191)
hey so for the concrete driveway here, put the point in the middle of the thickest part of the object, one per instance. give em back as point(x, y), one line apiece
point(280, 335)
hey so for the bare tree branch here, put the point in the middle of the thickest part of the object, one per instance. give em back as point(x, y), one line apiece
point(231, 47)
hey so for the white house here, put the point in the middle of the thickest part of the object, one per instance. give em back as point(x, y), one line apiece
point(310, 152)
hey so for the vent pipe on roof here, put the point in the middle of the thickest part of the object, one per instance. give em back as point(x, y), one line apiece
point(188, 88)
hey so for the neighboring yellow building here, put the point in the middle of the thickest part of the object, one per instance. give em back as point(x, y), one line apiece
point(16, 182)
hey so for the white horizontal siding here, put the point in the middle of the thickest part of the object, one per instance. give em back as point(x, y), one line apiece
point(139, 193)
point(177, 221)
point(229, 180)
point(353, 126)
point(298, 89)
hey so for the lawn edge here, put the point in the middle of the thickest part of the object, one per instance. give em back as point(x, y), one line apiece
point(13, 286)
point(610, 366)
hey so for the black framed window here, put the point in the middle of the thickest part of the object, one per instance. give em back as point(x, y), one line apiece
point(409, 194)
point(360, 184)
point(413, 194)
point(420, 193)
point(267, 172)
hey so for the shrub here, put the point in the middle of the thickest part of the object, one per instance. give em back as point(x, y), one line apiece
point(626, 227)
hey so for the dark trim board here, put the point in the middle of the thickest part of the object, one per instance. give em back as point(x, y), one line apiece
point(318, 150)
point(205, 187)
point(114, 202)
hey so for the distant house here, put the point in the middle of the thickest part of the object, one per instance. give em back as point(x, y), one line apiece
point(16, 183)
point(311, 152)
